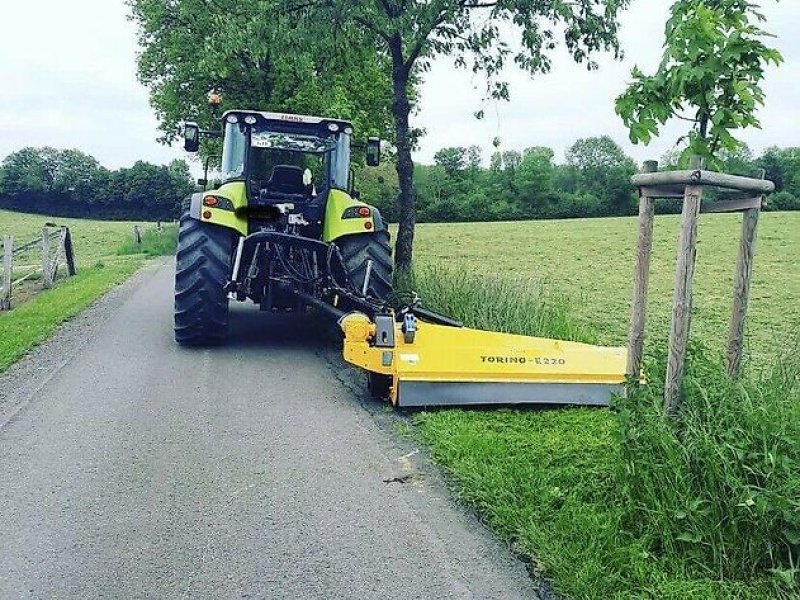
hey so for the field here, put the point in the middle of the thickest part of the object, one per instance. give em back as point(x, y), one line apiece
point(592, 262)
point(100, 267)
point(554, 484)
point(94, 240)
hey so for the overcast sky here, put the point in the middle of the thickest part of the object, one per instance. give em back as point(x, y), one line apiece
point(67, 70)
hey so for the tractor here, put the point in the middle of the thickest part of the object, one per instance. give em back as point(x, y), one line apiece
point(285, 229)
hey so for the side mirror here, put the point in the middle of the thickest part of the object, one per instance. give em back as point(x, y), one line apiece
point(191, 137)
point(373, 152)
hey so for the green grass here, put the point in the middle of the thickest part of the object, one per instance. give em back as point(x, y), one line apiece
point(155, 242)
point(93, 240)
point(557, 484)
point(591, 260)
point(33, 322)
point(719, 486)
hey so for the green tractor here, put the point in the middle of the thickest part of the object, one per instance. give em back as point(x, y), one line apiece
point(285, 229)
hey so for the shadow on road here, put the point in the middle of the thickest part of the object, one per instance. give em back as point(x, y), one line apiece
point(251, 328)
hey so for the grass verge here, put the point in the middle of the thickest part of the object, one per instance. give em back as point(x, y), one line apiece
point(155, 242)
point(33, 322)
point(588, 495)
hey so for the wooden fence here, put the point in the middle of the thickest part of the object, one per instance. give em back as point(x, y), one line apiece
point(54, 248)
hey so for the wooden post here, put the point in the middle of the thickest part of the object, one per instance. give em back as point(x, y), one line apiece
point(641, 280)
point(47, 275)
point(741, 295)
point(58, 254)
point(137, 235)
point(682, 301)
point(69, 253)
point(8, 265)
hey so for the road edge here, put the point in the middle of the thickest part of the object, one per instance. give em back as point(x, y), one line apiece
point(21, 381)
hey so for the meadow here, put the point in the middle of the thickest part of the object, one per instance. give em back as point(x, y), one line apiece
point(591, 261)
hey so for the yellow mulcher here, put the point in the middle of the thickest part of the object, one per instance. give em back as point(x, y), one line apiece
point(286, 229)
point(433, 362)
point(428, 364)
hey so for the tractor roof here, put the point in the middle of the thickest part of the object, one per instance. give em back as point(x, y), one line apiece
point(290, 118)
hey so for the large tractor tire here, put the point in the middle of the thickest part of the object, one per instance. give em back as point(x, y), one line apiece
point(357, 249)
point(202, 268)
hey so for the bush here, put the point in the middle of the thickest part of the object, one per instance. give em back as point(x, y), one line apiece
point(720, 485)
point(783, 201)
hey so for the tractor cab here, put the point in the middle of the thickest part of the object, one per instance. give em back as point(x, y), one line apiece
point(289, 164)
point(286, 157)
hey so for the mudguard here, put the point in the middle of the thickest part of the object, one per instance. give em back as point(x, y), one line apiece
point(229, 198)
point(347, 216)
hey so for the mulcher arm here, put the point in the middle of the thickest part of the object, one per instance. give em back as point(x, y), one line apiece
point(432, 364)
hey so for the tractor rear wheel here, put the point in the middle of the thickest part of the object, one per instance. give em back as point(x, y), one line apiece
point(202, 268)
point(357, 250)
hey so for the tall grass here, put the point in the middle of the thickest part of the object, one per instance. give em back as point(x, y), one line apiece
point(488, 302)
point(155, 242)
point(627, 503)
point(720, 485)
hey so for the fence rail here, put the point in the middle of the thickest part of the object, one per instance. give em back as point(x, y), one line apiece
point(55, 249)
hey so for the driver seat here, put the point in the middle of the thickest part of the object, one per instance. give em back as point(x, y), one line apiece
point(286, 179)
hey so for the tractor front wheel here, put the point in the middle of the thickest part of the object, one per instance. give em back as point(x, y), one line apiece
point(202, 268)
point(357, 250)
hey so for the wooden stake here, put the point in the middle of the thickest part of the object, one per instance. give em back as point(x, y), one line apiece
point(8, 254)
point(641, 280)
point(682, 301)
point(741, 295)
point(69, 253)
point(47, 275)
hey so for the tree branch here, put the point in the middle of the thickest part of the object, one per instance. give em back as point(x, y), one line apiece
point(372, 27)
point(422, 38)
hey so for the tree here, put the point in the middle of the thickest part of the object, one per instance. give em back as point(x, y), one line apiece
point(535, 179)
point(474, 159)
point(250, 54)
point(782, 166)
point(75, 174)
point(738, 161)
point(410, 33)
point(603, 170)
point(596, 153)
point(713, 64)
point(452, 160)
point(26, 171)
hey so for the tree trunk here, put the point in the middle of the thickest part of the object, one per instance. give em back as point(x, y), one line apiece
point(401, 110)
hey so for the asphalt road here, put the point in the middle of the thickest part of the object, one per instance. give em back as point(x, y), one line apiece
point(133, 468)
